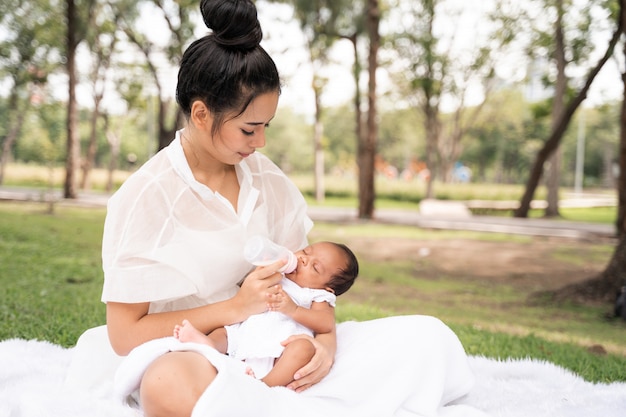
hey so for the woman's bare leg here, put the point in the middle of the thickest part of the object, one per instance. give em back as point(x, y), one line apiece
point(174, 382)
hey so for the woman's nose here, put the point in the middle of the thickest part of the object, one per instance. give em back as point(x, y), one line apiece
point(258, 140)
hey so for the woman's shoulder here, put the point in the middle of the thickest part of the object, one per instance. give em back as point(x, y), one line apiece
point(147, 176)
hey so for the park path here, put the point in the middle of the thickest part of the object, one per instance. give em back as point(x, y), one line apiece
point(432, 214)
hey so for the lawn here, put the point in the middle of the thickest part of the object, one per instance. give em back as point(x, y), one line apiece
point(51, 278)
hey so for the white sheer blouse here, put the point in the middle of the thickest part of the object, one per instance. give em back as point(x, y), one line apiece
point(171, 241)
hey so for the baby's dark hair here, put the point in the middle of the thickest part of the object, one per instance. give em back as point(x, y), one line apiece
point(227, 68)
point(342, 281)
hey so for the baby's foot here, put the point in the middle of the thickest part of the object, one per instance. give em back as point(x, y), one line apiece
point(187, 333)
point(250, 372)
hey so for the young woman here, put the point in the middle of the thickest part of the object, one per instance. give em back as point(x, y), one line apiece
point(173, 250)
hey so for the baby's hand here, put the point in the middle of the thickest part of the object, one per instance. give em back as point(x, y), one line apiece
point(282, 302)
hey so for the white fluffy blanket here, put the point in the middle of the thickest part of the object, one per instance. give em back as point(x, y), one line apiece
point(32, 375)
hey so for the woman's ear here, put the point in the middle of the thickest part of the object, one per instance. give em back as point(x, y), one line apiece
point(200, 115)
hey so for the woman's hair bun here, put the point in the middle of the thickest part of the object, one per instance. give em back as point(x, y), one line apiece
point(234, 23)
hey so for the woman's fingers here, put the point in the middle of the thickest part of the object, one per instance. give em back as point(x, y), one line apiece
point(259, 288)
point(268, 274)
point(317, 368)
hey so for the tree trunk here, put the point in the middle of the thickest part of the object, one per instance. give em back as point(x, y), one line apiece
point(554, 174)
point(433, 127)
point(620, 224)
point(92, 147)
point(167, 134)
point(114, 146)
point(318, 131)
point(553, 181)
point(73, 144)
point(367, 151)
point(14, 129)
point(358, 113)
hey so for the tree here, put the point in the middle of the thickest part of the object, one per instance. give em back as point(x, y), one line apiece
point(323, 23)
point(559, 127)
point(177, 17)
point(27, 56)
point(76, 33)
point(435, 68)
point(608, 283)
point(102, 45)
point(367, 147)
point(556, 37)
point(560, 85)
point(501, 152)
point(318, 23)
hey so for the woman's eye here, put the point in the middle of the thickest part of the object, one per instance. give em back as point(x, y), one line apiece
point(247, 133)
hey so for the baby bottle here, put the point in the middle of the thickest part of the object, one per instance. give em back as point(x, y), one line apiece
point(261, 251)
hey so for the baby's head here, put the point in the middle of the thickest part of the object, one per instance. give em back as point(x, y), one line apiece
point(326, 265)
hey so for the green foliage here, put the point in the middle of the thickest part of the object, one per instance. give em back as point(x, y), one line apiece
point(340, 139)
point(290, 142)
point(43, 137)
point(499, 147)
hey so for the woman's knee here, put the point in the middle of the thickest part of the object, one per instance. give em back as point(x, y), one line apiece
point(173, 383)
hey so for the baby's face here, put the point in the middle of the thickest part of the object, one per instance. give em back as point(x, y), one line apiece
point(317, 263)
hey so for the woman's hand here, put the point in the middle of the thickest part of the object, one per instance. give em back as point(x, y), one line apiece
point(258, 289)
point(320, 364)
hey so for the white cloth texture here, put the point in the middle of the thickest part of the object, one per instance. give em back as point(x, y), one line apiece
point(257, 340)
point(376, 374)
point(32, 375)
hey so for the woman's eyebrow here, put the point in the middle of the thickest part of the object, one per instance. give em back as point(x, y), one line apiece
point(259, 123)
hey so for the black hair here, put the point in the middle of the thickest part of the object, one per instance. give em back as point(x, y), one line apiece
point(227, 68)
point(343, 280)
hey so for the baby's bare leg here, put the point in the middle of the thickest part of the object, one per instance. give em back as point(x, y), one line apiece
point(188, 333)
point(296, 354)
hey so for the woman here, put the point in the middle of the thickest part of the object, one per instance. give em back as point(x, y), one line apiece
point(173, 249)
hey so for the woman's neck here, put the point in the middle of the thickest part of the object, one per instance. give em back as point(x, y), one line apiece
point(218, 176)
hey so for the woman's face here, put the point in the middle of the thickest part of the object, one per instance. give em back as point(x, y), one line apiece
point(240, 136)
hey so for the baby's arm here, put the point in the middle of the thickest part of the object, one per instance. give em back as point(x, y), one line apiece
point(320, 318)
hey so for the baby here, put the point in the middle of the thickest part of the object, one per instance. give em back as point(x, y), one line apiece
point(305, 305)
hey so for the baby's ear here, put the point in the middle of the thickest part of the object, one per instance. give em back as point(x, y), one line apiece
point(329, 289)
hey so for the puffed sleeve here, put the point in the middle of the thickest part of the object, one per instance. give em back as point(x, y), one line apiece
point(142, 261)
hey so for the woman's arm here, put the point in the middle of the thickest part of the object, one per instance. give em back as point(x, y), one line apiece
point(130, 325)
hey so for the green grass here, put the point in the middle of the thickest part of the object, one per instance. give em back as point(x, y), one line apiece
point(50, 272)
point(51, 279)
